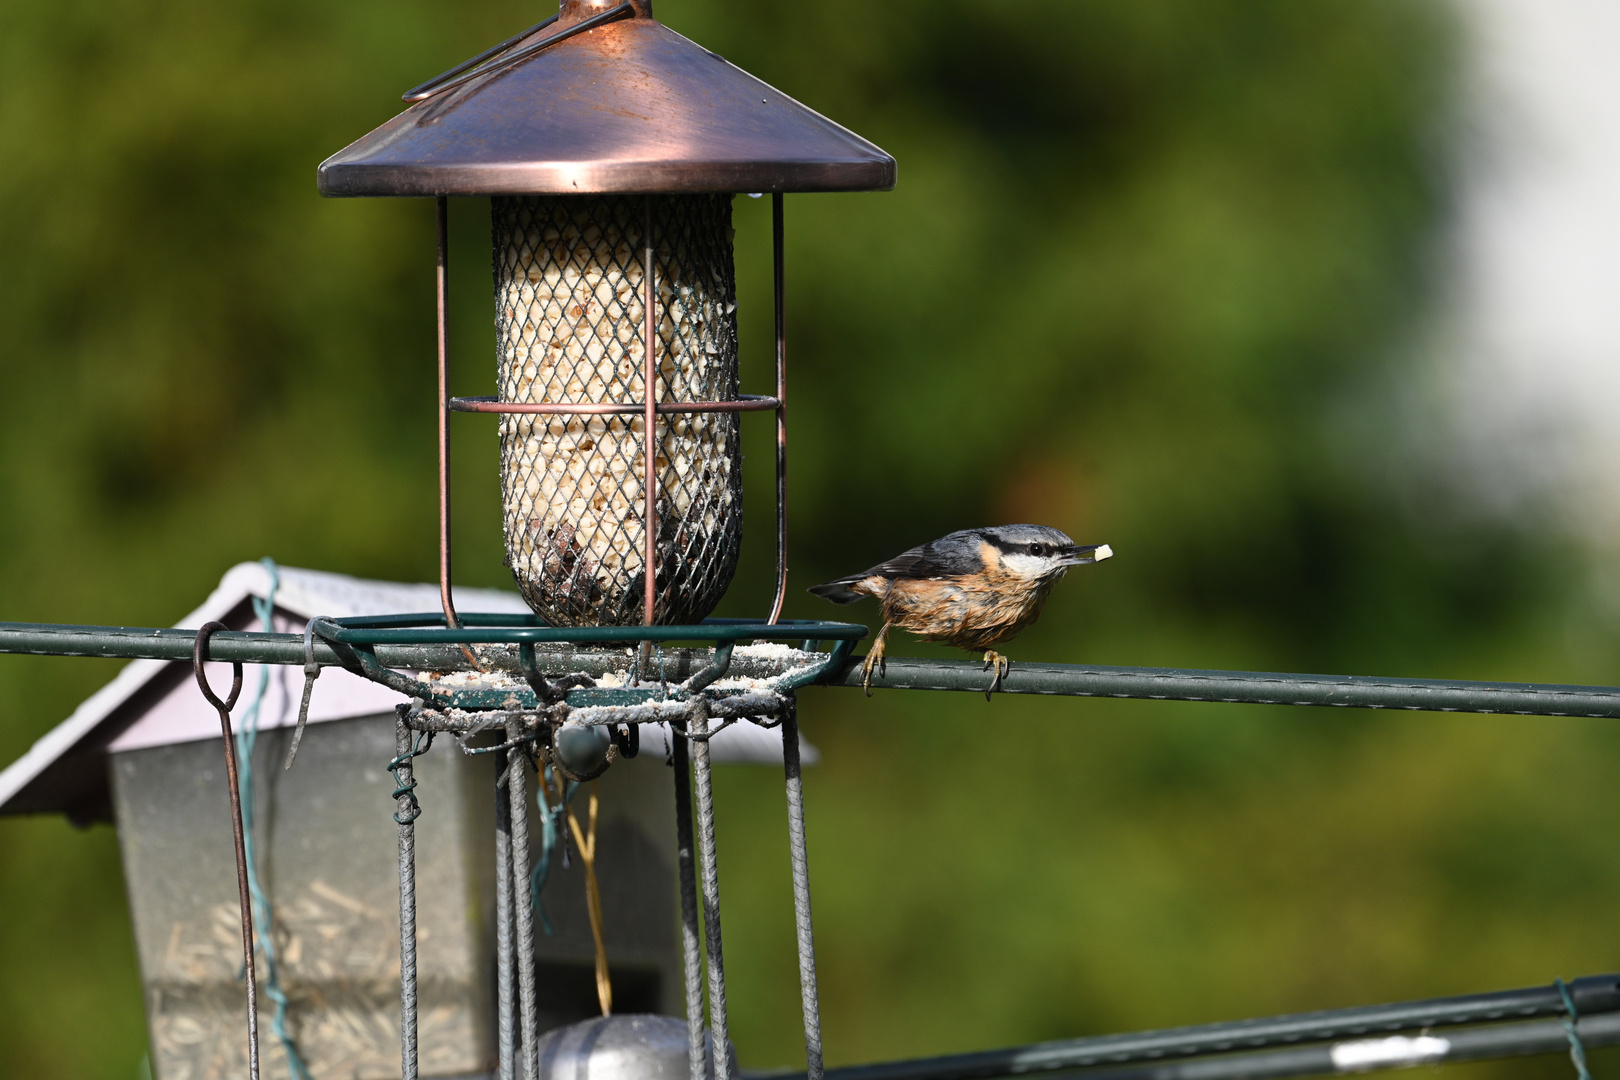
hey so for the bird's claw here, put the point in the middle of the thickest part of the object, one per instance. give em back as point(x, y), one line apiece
point(874, 659)
point(1001, 664)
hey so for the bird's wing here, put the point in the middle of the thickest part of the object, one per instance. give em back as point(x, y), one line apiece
point(949, 556)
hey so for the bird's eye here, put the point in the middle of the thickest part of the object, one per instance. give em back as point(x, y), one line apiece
point(1037, 550)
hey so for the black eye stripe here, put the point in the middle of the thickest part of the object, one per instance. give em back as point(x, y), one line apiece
point(1007, 548)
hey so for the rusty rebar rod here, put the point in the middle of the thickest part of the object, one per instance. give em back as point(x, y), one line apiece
point(406, 811)
point(708, 864)
point(518, 805)
point(504, 896)
point(691, 955)
point(798, 851)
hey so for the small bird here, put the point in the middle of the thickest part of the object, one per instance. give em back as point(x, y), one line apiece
point(973, 589)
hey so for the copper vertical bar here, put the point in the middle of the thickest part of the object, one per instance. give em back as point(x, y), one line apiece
point(450, 619)
point(650, 417)
point(780, 292)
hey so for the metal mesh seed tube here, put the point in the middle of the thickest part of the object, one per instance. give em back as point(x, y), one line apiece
point(569, 289)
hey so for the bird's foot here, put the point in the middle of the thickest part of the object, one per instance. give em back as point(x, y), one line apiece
point(874, 659)
point(1001, 664)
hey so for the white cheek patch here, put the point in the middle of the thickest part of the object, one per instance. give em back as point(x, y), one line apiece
point(1026, 566)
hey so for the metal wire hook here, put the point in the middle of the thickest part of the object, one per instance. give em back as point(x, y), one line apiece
point(199, 654)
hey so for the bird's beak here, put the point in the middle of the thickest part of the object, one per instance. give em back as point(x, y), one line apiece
point(1080, 554)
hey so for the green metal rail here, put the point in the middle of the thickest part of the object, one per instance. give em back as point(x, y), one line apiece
point(1077, 680)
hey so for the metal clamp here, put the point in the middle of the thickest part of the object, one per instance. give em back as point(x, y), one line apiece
point(544, 691)
point(716, 669)
point(312, 671)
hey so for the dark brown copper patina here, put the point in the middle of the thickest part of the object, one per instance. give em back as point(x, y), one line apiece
point(627, 105)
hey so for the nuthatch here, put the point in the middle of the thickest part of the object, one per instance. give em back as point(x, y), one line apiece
point(973, 589)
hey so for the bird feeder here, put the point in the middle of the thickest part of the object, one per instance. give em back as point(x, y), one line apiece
point(610, 147)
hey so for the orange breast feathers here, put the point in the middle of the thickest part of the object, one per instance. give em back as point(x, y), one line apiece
point(971, 611)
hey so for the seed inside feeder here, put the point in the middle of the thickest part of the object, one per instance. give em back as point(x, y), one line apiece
point(568, 317)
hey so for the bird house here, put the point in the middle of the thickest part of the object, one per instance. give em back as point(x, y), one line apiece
point(143, 752)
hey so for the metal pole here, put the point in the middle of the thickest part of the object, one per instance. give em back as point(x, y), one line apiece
point(199, 653)
point(503, 919)
point(1593, 996)
point(1365, 1055)
point(443, 293)
point(801, 892)
point(649, 366)
point(406, 812)
point(699, 725)
point(518, 804)
point(780, 293)
point(689, 905)
point(1073, 680)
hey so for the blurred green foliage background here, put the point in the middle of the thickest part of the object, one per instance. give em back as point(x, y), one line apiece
point(1153, 274)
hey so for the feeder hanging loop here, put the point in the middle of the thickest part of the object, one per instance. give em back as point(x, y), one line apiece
point(453, 78)
point(199, 653)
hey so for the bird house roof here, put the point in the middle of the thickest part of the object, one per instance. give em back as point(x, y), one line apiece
point(154, 703)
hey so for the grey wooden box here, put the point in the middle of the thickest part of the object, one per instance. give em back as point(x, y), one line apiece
point(327, 850)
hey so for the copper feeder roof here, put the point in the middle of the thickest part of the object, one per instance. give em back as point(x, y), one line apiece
point(625, 106)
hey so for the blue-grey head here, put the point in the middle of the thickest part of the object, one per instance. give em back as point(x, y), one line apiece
point(1039, 552)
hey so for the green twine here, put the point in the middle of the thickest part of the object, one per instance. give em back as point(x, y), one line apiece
point(247, 733)
point(550, 822)
point(407, 788)
point(1577, 1051)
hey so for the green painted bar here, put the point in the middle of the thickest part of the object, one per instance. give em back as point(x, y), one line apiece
point(1250, 687)
point(1173, 684)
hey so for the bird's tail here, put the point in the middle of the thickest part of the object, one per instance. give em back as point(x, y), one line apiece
point(839, 592)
